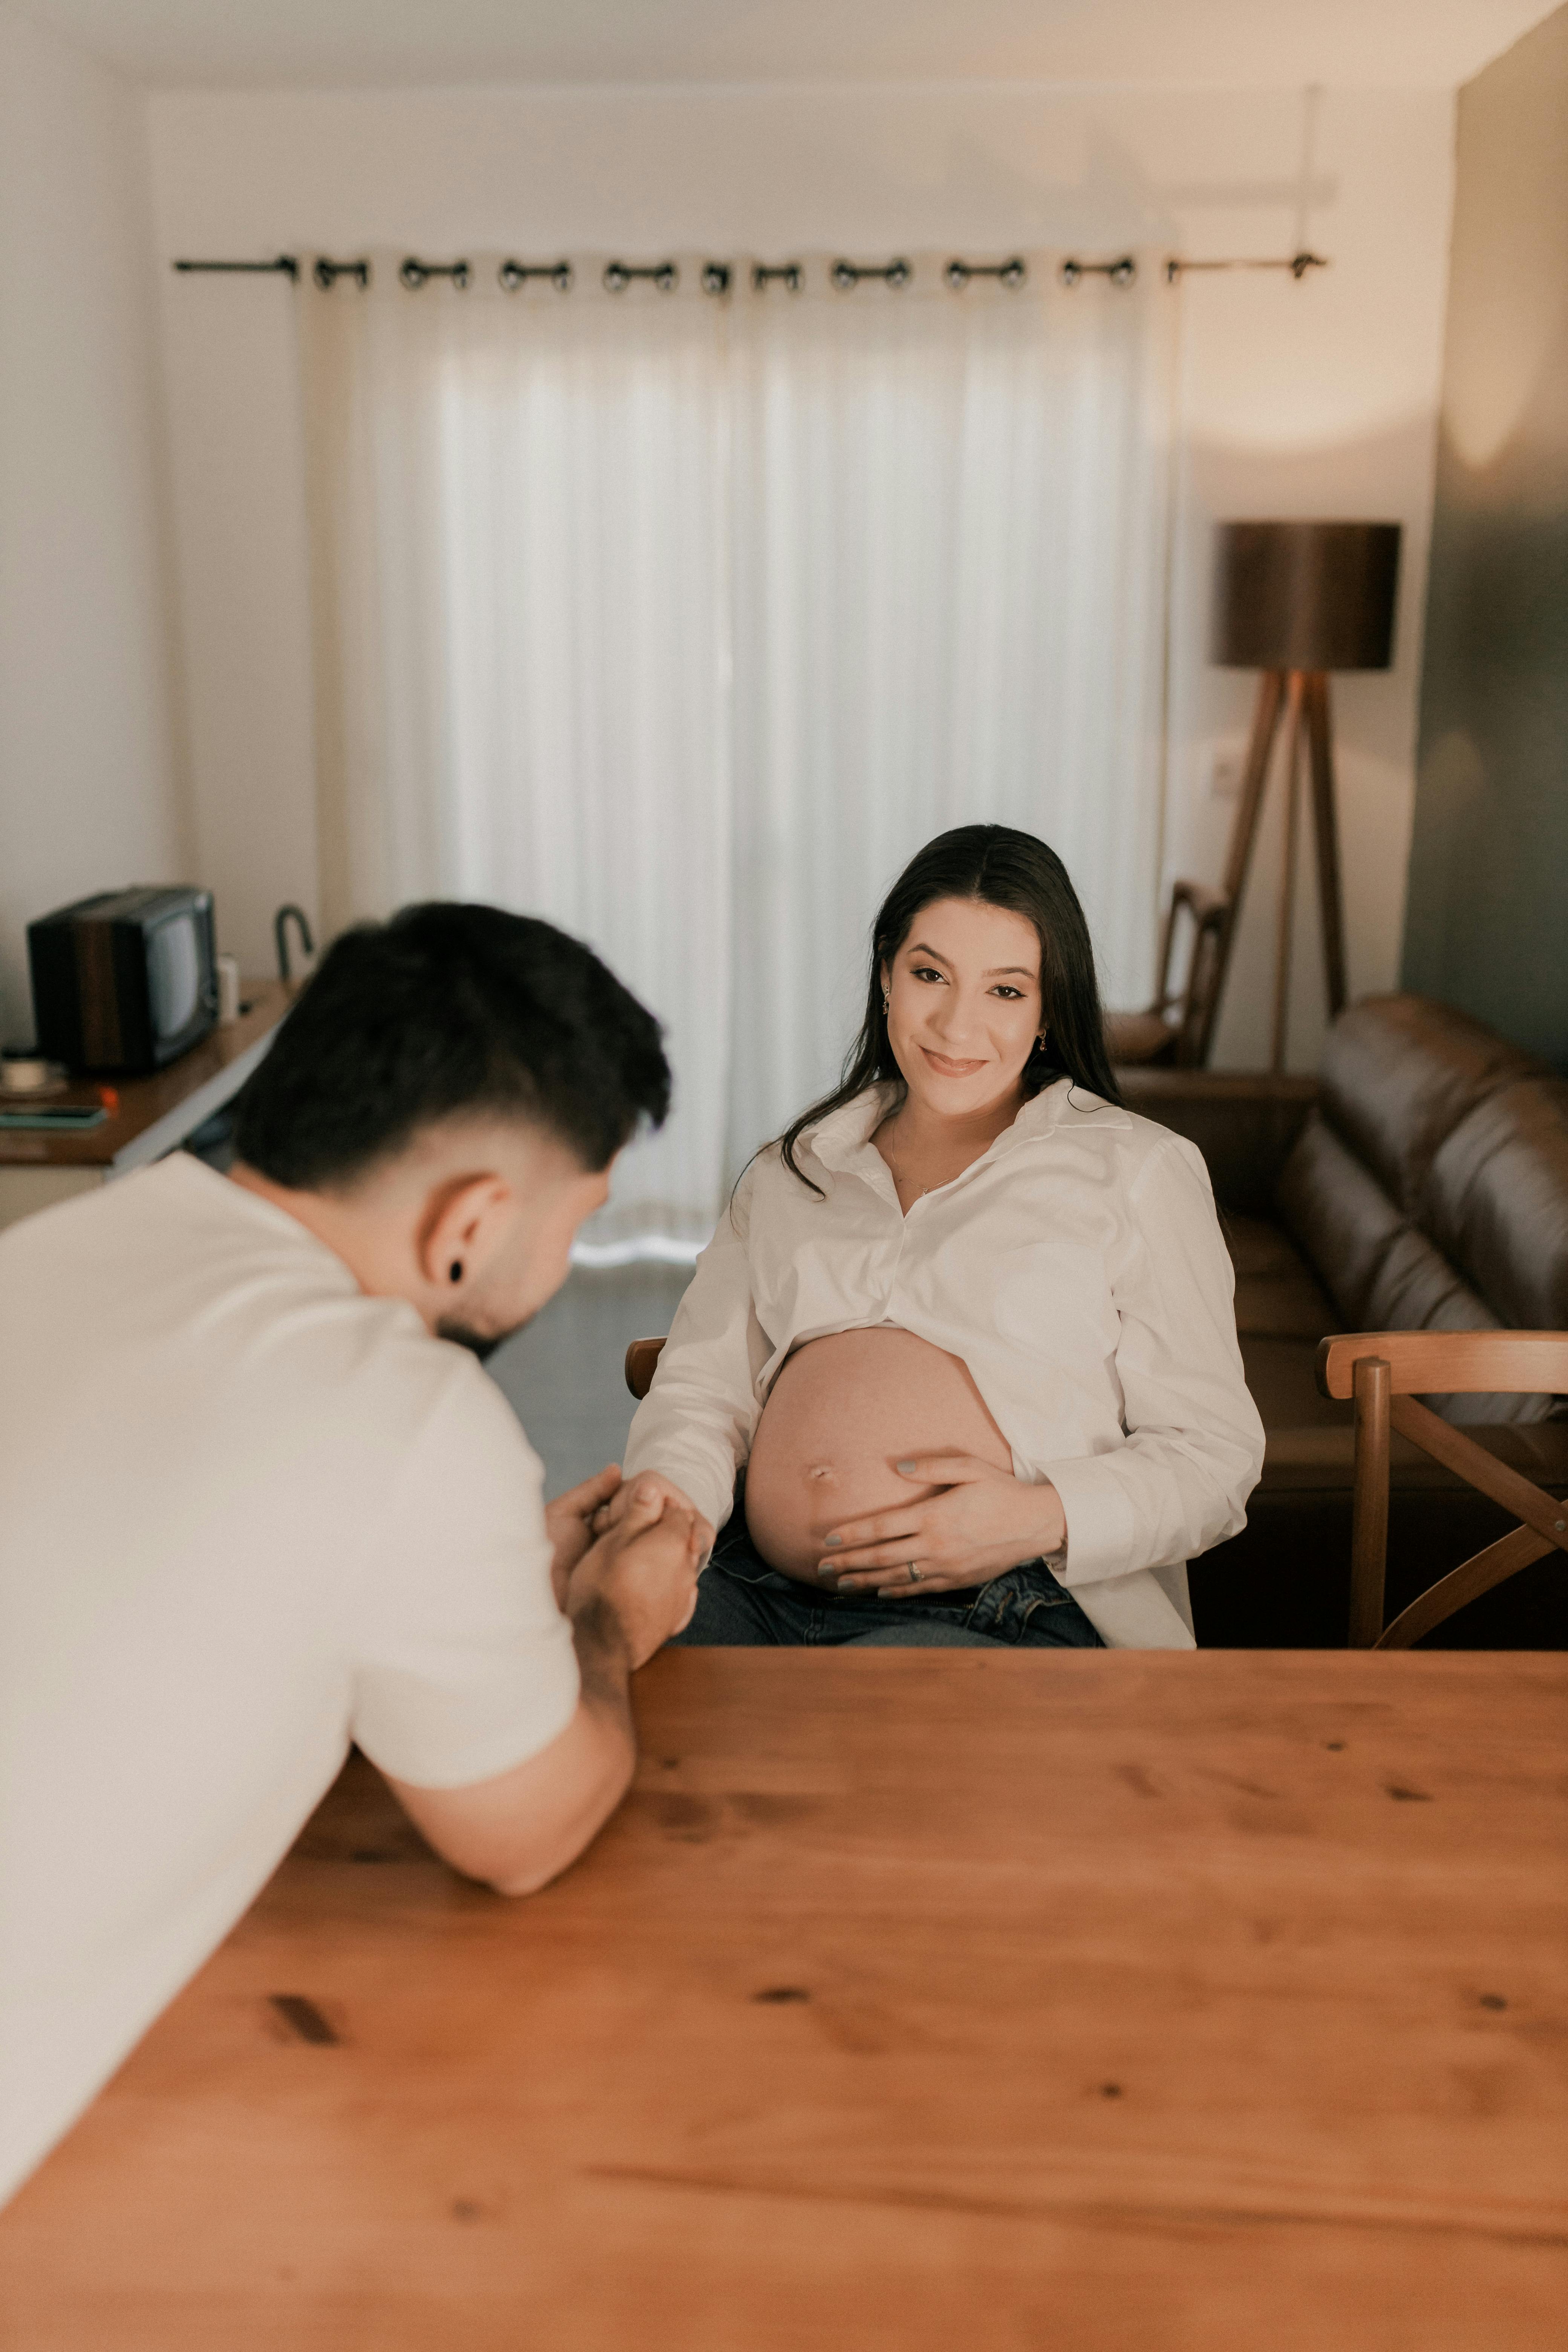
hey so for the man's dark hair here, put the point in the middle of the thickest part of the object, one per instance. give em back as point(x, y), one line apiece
point(448, 1009)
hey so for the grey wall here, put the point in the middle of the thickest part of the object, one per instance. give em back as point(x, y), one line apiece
point(1486, 921)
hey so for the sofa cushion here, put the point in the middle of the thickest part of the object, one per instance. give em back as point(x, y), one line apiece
point(1380, 1272)
point(1416, 1289)
point(1399, 1075)
point(1277, 1292)
point(1496, 1201)
point(1345, 1223)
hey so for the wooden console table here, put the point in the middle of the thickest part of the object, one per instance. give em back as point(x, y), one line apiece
point(916, 1999)
point(154, 1115)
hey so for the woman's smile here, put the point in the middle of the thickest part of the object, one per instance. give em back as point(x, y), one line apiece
point(947, 1066)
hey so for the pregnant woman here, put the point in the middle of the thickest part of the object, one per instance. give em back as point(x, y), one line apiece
point(959, 1366)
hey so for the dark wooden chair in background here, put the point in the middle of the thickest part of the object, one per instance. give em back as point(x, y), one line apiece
point(641, 1357)
point(1384, 1372)
point(1179, 1025)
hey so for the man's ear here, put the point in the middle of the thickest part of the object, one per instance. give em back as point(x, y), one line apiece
point(463, 1219)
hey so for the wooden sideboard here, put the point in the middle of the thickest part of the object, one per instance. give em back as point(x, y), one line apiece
point(151, 1116)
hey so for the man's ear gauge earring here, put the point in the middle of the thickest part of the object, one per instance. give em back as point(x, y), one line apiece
point(455, 1271)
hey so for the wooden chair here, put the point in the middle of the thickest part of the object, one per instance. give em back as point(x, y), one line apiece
point(1153, 1035)
point(641, 1357)
point(1385, 1372)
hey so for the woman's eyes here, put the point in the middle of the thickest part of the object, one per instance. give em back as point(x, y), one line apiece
point(928, 972)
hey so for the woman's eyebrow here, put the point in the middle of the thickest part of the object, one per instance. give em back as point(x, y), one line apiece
point(997, 972)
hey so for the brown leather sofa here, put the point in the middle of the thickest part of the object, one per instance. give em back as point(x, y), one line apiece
point(1420, 1184)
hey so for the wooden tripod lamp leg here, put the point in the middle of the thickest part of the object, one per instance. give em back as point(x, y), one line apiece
point(1288, 875)
point(1331, 898)
point(1369, 1522)
point(1244, 833)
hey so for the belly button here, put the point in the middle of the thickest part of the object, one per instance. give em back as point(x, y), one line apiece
point(820, 1470)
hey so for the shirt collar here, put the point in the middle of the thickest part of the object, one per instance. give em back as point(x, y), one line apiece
point(838, 1140)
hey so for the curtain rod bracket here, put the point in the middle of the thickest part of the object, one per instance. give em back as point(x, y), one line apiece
point(1120, 272)
point(1011, 274)
point(1298, 263)
point(847, 275)
point(327, 273)
point(662, 275)
point(414, 273)
point(286, 265)
point(513, 274)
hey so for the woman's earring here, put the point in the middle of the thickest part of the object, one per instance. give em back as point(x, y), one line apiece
point(887, 1003)
point(1040, 1041)
point(455, 1271)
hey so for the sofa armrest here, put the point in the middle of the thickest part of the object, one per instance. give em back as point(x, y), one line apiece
point(1243, 1122)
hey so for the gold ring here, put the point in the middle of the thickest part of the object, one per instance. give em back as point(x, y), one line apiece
point(915, 1573)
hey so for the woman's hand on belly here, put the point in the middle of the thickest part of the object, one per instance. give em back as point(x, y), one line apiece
point(983, 1522)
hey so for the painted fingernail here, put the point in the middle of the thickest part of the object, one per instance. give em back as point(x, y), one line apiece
point(829, 1541)
point(903, 1468)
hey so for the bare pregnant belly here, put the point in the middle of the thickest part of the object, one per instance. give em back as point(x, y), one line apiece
point(843, 1410)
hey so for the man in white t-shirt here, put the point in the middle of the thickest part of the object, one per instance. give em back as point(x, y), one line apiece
point(254, 1504)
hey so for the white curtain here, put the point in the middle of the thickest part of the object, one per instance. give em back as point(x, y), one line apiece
point(684, 621)
point(949, 526)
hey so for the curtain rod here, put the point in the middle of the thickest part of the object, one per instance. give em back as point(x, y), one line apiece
point(717, 276)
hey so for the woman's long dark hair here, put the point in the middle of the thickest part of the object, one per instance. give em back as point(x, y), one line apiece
point(1000, 868)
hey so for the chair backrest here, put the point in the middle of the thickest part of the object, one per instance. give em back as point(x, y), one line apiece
point(1384, 1372)
point(642, 1357)
point(1210, 912)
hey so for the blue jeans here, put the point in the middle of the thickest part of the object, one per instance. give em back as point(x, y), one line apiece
point(741, 1601)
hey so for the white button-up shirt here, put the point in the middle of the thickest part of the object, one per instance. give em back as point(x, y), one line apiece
point(1077, 1267)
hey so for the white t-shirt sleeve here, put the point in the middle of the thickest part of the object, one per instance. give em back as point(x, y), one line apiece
point(462, 1664)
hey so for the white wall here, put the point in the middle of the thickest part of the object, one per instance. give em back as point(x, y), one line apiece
point(1317, 398)
point(87, 795)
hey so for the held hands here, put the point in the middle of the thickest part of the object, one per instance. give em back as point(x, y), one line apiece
point(609, 1511)
point(983, 1522)
point(569, 1521)
point(637, 1585)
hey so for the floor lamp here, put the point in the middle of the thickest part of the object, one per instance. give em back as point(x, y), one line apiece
point(1297, 600)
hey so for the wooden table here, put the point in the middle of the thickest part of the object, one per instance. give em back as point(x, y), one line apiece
point(151, 1116)
point(914, 2000)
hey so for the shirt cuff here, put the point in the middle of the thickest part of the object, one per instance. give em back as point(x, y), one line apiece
point(707, 1488)
point(1099, 1519)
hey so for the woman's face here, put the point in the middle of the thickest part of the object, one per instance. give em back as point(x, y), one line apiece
point(965, 1006)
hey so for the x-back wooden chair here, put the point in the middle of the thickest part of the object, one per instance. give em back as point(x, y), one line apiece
point(1384, 1372)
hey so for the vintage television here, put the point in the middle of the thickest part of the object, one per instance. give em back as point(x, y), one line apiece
point(125, 981)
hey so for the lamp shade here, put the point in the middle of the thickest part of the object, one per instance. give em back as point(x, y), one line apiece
point(1304, 595)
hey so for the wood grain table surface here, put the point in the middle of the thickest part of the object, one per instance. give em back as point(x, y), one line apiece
point(914, 1999)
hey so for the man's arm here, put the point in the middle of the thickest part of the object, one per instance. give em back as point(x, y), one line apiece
point(627, 1594)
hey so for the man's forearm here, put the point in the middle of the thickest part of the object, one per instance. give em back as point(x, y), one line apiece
point(604, 1737)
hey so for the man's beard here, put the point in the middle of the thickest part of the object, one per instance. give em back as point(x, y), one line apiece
point(479, 1343)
